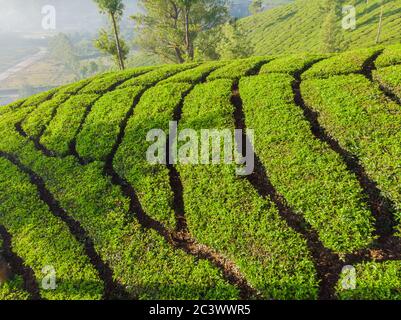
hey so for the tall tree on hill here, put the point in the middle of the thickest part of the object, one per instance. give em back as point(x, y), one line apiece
point(115, 9)
point(332, 33)
point(380, 26)
point(233, 43)
point(256, 6)
point(62, 50)
point(106, 43)
point(169, 28)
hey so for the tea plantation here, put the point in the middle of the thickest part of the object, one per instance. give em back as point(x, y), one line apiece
point(300, 26)
point(79, 198)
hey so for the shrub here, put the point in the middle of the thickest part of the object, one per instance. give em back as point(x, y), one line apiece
point(63, 128)
point(239, 68)
point(102, 126)
point(344, 63)
point(390, 56)
point(390, 79)
point(290, 64)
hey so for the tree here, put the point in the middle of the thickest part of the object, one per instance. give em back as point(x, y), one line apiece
point(206, 44)
point(169, 28)
point(106, 43)
point(89, 69)
point(332, 33)
point(380, 26)
point(115, 9)
point(26, 90)
point(256, 7)
point(233, 43)
point(62, 50)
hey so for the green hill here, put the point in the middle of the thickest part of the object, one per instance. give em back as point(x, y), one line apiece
point(297, 27)
point(80, 201)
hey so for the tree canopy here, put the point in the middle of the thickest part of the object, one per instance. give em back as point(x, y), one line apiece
point(169, 28)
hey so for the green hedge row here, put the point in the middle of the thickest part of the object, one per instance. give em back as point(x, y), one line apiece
point(103, 83)
point(290, 64)
point(41, 239)
point(74, 88)
point(11, 107)
point(13, 290)
point(373, 280)
point(63, 127)
point(389, 78)
point(239, 68)
point(193, 75)
point(311, 177)
point(37, 121)
point(141, 259)
point(390, 56)
point(38, 98)
point(27, 102)
point(226, 213)
point(150, 181)
point(344, 63)
point(157, 75)
point(102, 125)
point(365, 122)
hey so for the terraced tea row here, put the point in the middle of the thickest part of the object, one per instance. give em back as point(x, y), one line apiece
point(390, 56)
point(240, 68)
point(12, 286)
point(291, 64)
point(344, 63)
point(102, 126)
point(389, 79)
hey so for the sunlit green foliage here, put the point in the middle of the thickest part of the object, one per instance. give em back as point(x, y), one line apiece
point(297, 27)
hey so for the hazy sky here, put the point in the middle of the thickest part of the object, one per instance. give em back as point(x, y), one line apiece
point(71, 15)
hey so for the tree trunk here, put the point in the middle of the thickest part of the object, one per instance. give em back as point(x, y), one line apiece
point(379, 30)
point(178, 55)
point(120, 57)
point(188, 43)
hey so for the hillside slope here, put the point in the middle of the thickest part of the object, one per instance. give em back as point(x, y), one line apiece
point(80, 199)
point(297, 27)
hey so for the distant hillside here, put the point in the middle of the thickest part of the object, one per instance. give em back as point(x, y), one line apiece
point(297, 27)
point(240, 8)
